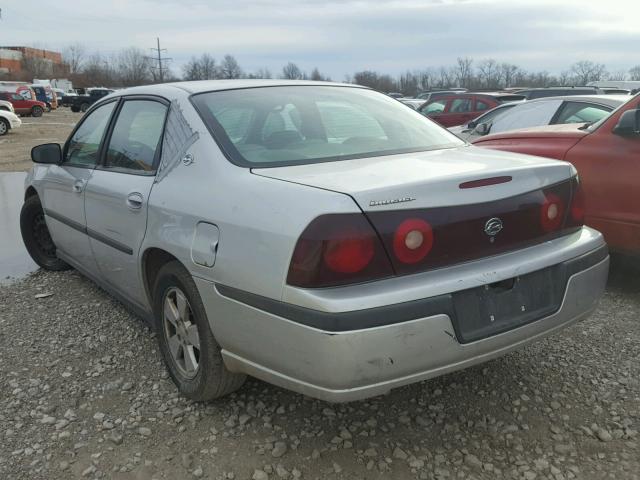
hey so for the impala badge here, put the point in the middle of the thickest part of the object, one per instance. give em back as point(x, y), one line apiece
point(493, 227)
point(391, 201)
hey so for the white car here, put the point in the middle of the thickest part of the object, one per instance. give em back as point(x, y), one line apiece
point(6, 106)
point(8, 120)
point(319, 236)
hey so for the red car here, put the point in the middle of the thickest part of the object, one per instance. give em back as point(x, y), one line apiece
point(22, 106)
point(460, 108)
point(607, 157)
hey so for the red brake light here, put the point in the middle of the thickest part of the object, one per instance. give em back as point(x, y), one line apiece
point(350, 252)
point(412, 240)
point(338, 249)
point(577, 204)
point(552, 212)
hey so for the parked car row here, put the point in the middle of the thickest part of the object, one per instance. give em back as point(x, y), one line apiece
point(407, 254)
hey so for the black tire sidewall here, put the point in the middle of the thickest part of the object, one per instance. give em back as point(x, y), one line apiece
point(174, 275)
point(7, 126)
point(37, 111)
point(84, 107)
point(30, 209)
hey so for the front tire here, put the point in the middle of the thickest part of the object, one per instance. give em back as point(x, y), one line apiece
point(36, 236)
point(189, 350)
point(37, 111)
point(4, 127)
point(75, 108)
point(84, 107)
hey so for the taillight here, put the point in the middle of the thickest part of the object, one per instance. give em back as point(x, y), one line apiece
point(338, 249)
point(576, 217)
point(413, 240)
point(552, 212)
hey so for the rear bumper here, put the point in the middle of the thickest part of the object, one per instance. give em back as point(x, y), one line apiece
point(346, 365)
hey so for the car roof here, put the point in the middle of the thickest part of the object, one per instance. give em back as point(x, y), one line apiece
point(214, 85)
point(201, 86)
point(610, 100)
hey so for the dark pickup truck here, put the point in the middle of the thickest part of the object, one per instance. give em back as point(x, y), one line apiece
point(81, 103)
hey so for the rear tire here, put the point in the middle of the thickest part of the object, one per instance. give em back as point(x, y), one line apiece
point(37, 111)
point(75, 108)
point(4, 127)
point(36, 237)
point(84, 107)
point(185, 338)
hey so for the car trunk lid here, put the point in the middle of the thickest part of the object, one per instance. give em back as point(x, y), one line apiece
point(427, 179)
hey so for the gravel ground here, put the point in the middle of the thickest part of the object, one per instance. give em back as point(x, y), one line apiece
point(52, 127)
point(83, 394)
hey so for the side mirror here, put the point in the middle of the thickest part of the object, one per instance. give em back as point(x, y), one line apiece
point(50, 153)
point(482, 128)
point(472, 124)
point(628, 124)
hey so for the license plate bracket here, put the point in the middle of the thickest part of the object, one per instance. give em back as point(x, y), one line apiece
point(492, 309)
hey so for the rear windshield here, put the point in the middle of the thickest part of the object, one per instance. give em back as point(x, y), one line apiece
point(275, 126)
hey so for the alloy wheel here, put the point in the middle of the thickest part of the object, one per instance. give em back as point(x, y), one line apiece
point(181, 332)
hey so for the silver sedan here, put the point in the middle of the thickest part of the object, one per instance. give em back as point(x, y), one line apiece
point(322, 237)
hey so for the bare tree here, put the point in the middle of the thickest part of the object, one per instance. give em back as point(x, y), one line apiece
point(509, 73)
point(74, 56)
point(317, 76)
point(134, 67)
point(203, 68)
point(446, 77)
point(37, 67)
point(464, 72)
point(489, 73)
point(229, 68)
point(291, 72)
point(620, 76)
point(634, 73)
point(586, 71)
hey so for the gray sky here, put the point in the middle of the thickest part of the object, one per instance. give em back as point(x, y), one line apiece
point(341, 37)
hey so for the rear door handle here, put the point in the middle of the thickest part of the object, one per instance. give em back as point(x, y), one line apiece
point(135, 200)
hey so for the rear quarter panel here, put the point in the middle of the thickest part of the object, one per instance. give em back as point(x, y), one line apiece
point(259, 219)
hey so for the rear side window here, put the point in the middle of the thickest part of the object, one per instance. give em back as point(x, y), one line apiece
point(481, 106)
point(83, 147)
point(136, 136)
point(580, 112)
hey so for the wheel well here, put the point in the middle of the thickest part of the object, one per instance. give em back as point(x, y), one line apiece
point(152, 261)
point(30, 193)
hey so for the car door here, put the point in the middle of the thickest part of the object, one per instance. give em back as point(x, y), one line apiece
point(609, 169)
point(117, 193)
point(63, 186)
point(460, 111)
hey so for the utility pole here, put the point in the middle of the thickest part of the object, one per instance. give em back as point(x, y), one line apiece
point(159, 58)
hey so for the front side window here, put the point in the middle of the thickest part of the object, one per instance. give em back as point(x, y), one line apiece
point(84, 146)
point(136, 136)
point(580, 112)
point(437, 106)
point(273, 126)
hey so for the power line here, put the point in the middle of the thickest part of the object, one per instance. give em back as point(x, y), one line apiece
point(159, 58)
